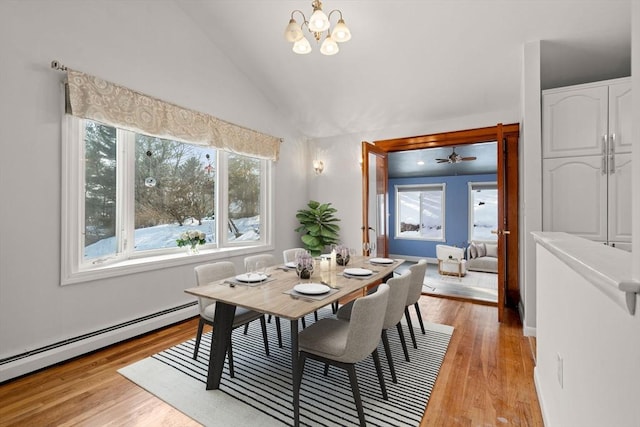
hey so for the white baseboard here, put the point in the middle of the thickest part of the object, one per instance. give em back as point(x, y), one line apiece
point(414, 258)
point(545, 419)
point(59, 354)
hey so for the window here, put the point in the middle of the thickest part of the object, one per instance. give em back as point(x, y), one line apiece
point(129, 197)
point(483, 211)
point(420, 211)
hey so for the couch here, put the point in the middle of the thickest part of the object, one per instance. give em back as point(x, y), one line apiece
point(482, 256)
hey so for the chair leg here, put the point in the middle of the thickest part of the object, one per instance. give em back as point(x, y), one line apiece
point(334, 307)
point(410, 325)
point(315, 316)
point(326, 369)
point(419, 317)
point(387, 352)
point(269, 319)
point(376, 360)
point(351, 369)
point(403, 341)
point(263, 324)
point(279, 332)
point(232, 372)
point(304, 324)
point(198, 337)
point(296, 389)
point(246, 328)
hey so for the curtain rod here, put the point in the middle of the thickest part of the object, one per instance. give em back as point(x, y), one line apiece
point(56, 65)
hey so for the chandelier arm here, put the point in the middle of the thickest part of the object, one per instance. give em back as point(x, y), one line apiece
point(334, 10)
point(304, 18)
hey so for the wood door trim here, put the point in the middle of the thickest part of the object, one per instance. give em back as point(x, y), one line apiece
point(510, 134)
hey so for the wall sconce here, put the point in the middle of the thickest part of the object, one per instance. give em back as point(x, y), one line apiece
point(318, 166)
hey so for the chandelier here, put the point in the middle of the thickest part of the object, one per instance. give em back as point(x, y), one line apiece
point(317, 24)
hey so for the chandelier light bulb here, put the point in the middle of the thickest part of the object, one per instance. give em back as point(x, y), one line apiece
point(293, 32)
point(329, 46)
point(302, 46)
point(318, 21)
point(340, 32)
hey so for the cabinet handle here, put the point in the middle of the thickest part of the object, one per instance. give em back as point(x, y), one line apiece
point(612, 164)
point(612, 143)
point(604, 155)
point(604, 165)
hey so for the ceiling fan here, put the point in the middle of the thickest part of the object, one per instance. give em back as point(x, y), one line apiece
point(455, 158)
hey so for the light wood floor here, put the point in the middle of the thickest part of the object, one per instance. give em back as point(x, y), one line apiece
point(486, 379)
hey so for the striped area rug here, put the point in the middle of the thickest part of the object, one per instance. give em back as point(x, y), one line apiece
point(263, 384)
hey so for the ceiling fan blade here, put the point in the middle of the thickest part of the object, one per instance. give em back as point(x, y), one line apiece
point(442, 160)
point(465, 159)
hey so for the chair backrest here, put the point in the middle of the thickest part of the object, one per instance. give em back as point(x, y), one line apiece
point(444, 251)
point(289, 255)
point(365, 325)
point(398, 289)
point(417, 280)
point(250, 261)
point(207, 273)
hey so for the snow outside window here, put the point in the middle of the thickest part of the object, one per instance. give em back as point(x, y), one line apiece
point(420, 212)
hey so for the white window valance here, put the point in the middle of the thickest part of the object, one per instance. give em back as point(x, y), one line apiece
point(92, 98)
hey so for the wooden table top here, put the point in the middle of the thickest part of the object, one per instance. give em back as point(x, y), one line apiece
point(269, 297)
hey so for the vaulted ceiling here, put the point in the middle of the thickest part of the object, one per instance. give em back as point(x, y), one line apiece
point(413, 61)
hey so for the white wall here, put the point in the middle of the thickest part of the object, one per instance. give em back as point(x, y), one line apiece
point(597, 340)
point(635, 82)
point(145, 45)
point(531, 182)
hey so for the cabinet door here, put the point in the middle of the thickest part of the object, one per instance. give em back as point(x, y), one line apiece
point(575, 196)
point(620, 117)
point(620, 198)
point(574, 122)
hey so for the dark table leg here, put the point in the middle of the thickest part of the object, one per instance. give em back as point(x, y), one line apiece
point(222, 321)
point(294, 371)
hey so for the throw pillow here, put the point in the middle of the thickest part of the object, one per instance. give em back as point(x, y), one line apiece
point(482, 249)
point(492, 250)
point(473, 251)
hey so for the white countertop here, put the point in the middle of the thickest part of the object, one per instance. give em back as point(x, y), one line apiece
point(607, 268)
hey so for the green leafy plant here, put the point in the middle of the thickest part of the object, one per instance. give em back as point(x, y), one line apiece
point(318, 225)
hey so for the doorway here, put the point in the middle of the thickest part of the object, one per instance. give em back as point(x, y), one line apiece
point(375, 194)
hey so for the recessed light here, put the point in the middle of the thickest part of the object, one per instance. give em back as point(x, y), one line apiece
point(420, 162)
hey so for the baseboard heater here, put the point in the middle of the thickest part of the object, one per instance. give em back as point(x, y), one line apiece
point(94, 334)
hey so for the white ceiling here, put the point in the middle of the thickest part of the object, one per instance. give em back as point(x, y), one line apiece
point(413, 61)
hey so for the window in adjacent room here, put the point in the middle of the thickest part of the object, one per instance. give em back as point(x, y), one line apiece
point(420, 211)
point(483, 211)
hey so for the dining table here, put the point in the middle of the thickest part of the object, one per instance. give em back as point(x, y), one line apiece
point(274, 294)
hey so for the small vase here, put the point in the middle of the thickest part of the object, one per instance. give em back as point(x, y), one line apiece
point(193, 250)
point(305, 273)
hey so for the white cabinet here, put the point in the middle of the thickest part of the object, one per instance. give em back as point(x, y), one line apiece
point(586, 146)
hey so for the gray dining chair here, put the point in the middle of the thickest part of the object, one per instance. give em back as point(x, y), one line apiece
point(418, 271)
point(269, 261)
point(344, 343)
point(398, 289)
point(212, 272)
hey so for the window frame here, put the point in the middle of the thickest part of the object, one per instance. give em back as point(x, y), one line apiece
point(471, 187)
point(442, 187)
point(74, 269)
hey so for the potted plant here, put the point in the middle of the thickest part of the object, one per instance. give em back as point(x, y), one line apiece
point(318, 225)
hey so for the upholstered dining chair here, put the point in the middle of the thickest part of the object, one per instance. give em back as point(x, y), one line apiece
point(398, 289)
point(268, 260)
point(418, 271)
point(344, 343)
point(289, 255)
point(208, 273)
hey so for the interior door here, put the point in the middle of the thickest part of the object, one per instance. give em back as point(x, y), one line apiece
point(375, 223)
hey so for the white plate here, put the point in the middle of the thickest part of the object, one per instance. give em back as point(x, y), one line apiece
point(358, 272)
point(290, 264)
point(381, 261)
point(311, 288)
point(251, 278)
